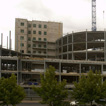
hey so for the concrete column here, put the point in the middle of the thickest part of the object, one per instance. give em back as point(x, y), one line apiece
point(104, 44)
point(20, 73)
point(59, 71)
point(86, 46)
point(17, 71)
point(72, 47)
point(96, 57)
point(101, 68)
point(80, 69)
point(7, 65)
point(45, 66)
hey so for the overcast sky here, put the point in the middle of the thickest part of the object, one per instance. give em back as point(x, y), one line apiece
point(74, 14)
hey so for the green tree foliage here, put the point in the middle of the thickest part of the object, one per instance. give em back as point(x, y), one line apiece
point(10, 92)
point(89, 88)
point(52, 92)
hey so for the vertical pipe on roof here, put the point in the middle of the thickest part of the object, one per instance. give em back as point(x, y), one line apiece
point(7, 42)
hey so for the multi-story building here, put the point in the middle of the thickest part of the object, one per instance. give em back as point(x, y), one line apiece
point(71, 55)
point(37, 38)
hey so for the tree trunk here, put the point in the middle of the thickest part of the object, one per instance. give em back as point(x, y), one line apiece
point(91, 103)
point(50, 104)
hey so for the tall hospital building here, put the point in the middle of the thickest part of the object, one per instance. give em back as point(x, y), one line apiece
point(37, 38)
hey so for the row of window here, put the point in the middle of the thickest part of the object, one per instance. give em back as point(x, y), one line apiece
point(38, 52)
point(34, 25)
point(34, 39)
point(39, 45)
point(34, 45)
point(34, 32)
point(39, 32)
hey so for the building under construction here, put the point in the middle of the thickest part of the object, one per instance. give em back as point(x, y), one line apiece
point(71, 55)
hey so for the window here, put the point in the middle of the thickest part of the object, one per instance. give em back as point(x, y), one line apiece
point(29, 51)
point(39, 52)
point(44, 52)
point(29, 45)
point(29, 32)
point(40, 25)
point(45, 26)
point(34, 38)
point(34, 45)
point(44, 46)
point(29, 25)
point(39, 39)
point(22, 51)
point(45, 33)
point(21, 44)
point(34, 32)
point(22, 24)
point(21, 37)
point(45, 39)
point(34, 51)
point(29, 39)
point(34, 25)
point(22, 31)
point(40, 32)
point(39, 45)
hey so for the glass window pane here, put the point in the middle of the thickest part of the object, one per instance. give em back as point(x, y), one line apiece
point(45, 26)
point(34, 25)
point(40, 25)
point(22, 24)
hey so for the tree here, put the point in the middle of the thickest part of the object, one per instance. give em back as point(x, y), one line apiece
point(89, 88)
point(51, 91)
point(10, 92)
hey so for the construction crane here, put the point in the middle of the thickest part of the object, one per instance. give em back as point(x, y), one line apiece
point(93, 15)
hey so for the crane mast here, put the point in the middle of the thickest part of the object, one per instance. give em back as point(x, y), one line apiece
point(93, 15)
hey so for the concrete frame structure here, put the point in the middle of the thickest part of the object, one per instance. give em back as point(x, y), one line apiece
point(88, 45)
point(76, 54)
point(27, 68)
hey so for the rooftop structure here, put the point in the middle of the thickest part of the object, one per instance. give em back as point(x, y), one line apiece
point(87, 45)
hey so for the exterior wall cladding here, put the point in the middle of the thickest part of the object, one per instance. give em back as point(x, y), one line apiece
point(71, 55)
point(37, 37)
